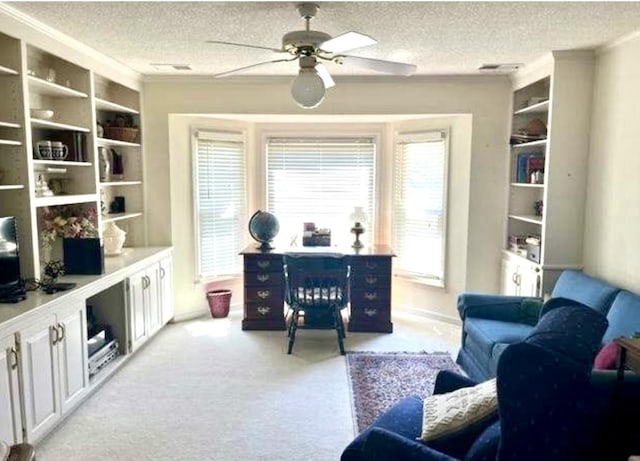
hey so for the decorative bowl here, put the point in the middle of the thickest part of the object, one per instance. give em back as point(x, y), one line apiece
point(43, 114)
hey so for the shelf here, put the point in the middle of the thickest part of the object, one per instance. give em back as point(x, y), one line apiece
point(53, 89)
point(7, 71)
point(119, 217)
point(533, 219)
point(11, 186)
point(61, 163)
point(540, 142)
point(107, 371)
point(115, 142)
point(65, 200)
point(527, 185)
point(9, 125)
point(524, 259)
point(120, 183)
point(10, 142)
point(103, 104)
point(534, 108)
point(36, 122)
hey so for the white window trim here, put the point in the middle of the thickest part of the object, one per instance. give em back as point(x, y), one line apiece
point(221, 134)
point(416, 136)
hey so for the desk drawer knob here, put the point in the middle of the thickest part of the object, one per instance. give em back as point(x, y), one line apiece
point(370, 265)
point(371, 280)
point(264, 294)
point(371, 295)
point(263, 310)
point(370, 312)
point(263, 277)
point(264, 264)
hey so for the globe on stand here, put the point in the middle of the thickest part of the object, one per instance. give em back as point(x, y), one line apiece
point(263, 227)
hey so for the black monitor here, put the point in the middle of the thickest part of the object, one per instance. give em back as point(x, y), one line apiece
point(10, 282)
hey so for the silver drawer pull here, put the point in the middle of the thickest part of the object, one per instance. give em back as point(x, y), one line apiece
point(263, 277)
point(371, 280)
point(370, 312)
point(371, 296)
point(264, 264)
point(14, 355)
point(370, 265)
point(264, 294)
point(262, 310)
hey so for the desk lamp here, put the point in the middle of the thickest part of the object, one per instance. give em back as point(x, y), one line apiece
point(358, 216)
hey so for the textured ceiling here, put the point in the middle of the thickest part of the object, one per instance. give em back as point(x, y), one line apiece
point(439, 37)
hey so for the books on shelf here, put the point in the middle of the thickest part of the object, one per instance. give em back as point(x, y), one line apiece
point(526, 163)
point(75, 142)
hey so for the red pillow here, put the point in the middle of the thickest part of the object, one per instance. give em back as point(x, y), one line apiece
point(607, 358)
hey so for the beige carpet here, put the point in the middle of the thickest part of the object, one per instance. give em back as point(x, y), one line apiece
point(206, 390)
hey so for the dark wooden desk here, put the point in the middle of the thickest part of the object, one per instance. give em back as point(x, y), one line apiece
point(370, 289)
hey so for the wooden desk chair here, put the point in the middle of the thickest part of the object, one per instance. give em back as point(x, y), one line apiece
point(316, 285)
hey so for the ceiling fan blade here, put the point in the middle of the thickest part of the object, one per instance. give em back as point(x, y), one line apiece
point(242, 69)
point(389, 67)
point(220, 42)
point(347, 41)
point(323, 73)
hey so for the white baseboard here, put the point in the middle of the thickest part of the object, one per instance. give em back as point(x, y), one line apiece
point(233, 307)
point(428, 314)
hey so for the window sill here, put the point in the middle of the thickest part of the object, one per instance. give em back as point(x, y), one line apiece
point(436, 283)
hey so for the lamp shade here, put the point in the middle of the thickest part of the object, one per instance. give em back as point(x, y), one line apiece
point(358, 215)
point(308, 89)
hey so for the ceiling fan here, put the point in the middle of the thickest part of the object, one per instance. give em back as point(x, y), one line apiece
point(310, 47)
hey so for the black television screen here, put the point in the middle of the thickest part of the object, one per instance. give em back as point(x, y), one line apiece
point(9, 262)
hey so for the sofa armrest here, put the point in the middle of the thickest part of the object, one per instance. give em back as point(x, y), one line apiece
point(449, 381)
point(518, 309)
point(384, 445)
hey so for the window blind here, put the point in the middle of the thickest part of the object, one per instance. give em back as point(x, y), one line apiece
point(419, 204)
point(220, 198)
point(321, 180)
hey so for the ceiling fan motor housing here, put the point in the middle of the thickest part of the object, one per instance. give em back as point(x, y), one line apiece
point(303, 42)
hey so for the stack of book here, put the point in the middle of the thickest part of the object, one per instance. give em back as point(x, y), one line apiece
point(526, 163)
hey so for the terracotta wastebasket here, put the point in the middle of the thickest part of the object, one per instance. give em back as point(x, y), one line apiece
point(219, 301)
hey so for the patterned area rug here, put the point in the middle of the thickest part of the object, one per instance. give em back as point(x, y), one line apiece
point(379, 379)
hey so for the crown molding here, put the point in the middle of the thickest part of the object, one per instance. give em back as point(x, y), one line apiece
point(41, 35)
point(603, 49)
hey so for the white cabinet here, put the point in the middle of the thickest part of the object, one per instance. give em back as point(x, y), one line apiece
point(550, 136)
point(10, 412)
point(54, 367)
point(145, 304)
point(166, 289)
point(519, 277)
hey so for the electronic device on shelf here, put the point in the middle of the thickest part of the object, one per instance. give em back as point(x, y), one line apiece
point(11, 285)
point(102, 348)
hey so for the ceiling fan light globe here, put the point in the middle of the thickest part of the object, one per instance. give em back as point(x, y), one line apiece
point(308, 89)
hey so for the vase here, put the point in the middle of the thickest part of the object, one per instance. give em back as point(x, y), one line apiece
point(113, 238)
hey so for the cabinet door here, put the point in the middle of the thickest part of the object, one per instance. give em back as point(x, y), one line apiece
point(166, 290)
point(72, 353)
point(10, 419)
point(137, 323)
point(529, 281)
point(152, 299)
point(38, 359)
point(509, 278)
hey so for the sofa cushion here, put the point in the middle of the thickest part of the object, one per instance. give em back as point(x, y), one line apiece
point(607, 358)
point(590, 291)
point(486, 333)
point(623, 317)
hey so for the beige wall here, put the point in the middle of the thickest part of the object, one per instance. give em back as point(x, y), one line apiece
point(476, 192)
point(611, 249)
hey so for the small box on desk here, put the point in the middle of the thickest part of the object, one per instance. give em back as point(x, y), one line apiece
point(317, 238)
point(83, 256)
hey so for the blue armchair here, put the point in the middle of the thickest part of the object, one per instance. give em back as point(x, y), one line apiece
point(544, 392)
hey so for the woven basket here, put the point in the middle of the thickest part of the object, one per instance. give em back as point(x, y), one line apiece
point(121, 133)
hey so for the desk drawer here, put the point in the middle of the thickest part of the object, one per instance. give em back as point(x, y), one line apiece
point(364, 265)
point(377, 296)
point(368, 281)
point(262, 263)
point(273, 280)
point(264, 311)
point(264, 295)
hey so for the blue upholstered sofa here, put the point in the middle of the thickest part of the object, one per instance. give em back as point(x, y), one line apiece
point(491, 322)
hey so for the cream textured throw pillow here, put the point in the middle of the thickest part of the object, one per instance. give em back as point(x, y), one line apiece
point(445, 414)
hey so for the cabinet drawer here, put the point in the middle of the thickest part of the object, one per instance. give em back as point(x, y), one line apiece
point(258, 311)
point(371, 265)
point(263, 263)
point(369, 281)
point(264, 279)
point(264, 295)
point(377, 296)
point(371, 314)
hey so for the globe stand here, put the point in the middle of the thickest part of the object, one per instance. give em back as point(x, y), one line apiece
point(265, 246)
point(357, 229)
